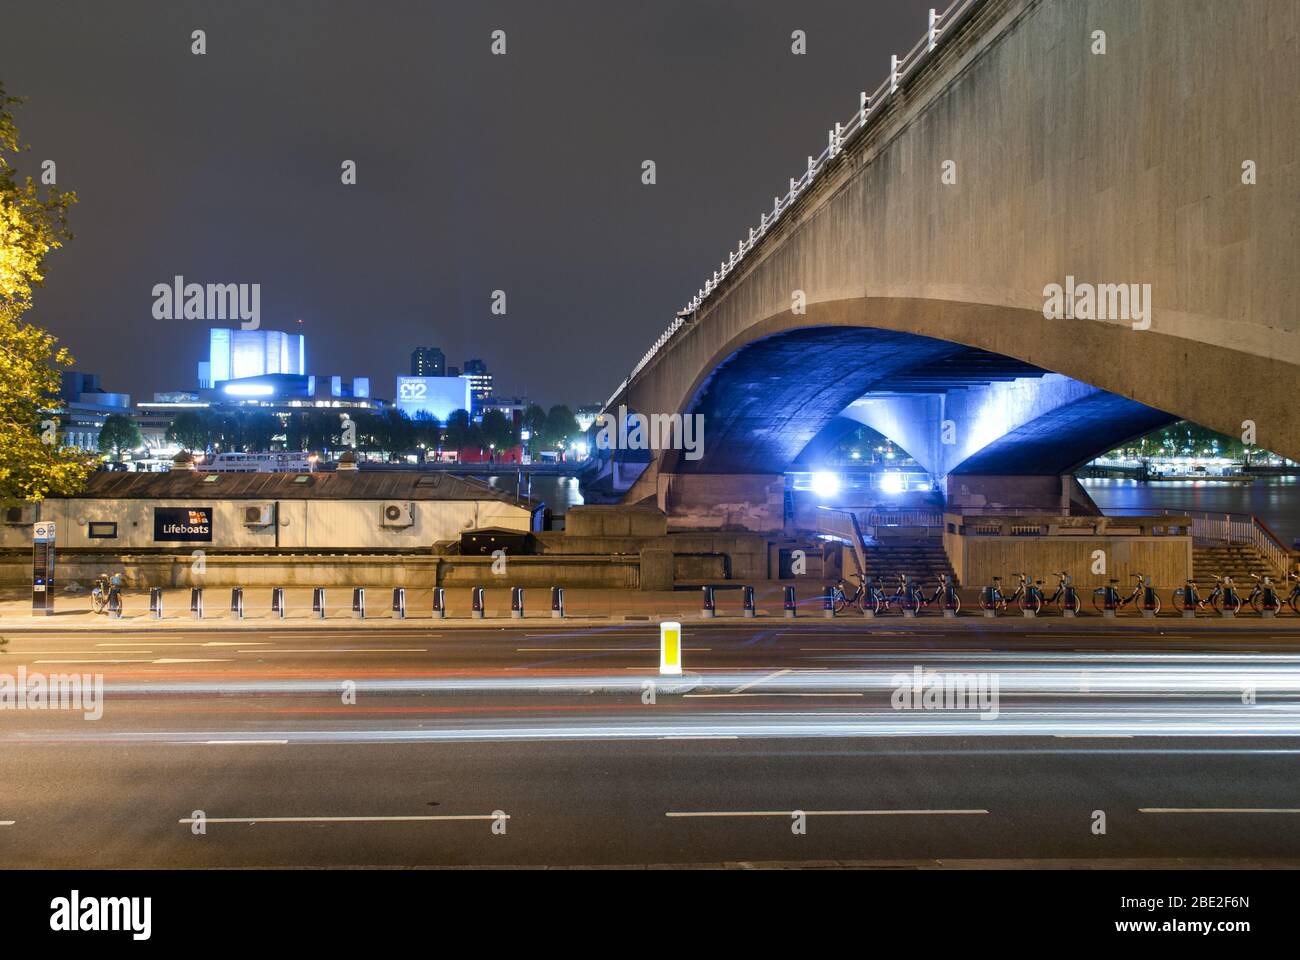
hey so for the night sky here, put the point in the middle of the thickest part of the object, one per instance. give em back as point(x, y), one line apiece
point(475, 172)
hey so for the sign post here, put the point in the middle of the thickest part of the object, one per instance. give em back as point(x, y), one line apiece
point(43, 569)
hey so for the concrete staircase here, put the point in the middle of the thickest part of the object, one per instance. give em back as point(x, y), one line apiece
point(1237, 560)
point(922, 559)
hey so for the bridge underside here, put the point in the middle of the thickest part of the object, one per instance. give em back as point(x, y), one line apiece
point(969, 417)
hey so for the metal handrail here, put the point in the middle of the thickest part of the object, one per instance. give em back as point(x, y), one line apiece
point(1229, 528)
point(837, 138)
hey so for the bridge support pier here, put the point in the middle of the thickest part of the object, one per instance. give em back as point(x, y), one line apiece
point(754, 502)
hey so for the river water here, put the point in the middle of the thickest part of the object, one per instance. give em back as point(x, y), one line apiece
point(1275, 500)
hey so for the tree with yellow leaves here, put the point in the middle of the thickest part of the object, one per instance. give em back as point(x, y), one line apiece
point(32, 466)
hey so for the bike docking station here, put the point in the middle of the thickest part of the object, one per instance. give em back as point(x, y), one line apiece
point(557, 603)
point(828, 603)
point(399, 603)
point(476, 603)
point(747, 602)
point(708, 605)
point(1150, 602)
point(115, 606)
point(155, 603)
point(951, 602)
point(318, 602)
point(1070, 602)
point(237, 603)
point(516, 603)
point(439, 604)
point(788, 603)
point(196, 602)
point(359, 602)
point(277, 602)
point(1110, 600)
point(670, 649)
point(1268, 602)
point(1191, 600)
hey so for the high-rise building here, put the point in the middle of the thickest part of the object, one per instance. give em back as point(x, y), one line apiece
point(428, 362)
point(235, 354)
point(480, 381)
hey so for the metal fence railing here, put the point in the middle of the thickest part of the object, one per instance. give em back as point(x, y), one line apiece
point(1244, 529)
point(838, 138)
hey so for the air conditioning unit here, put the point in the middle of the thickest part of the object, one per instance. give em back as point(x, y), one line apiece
point(21, 515)
point(259, 515)
point(397, 513)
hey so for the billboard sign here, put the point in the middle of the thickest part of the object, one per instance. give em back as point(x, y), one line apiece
point(186, 524)
point(436, 396)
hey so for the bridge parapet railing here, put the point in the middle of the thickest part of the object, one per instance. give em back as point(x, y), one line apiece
point(1245, 529)
point(870, 105)
point(1058, 525)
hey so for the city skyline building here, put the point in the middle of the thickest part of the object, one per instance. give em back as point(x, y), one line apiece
point(235, 354)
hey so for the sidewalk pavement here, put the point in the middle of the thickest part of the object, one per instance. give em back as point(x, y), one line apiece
point(583, 607)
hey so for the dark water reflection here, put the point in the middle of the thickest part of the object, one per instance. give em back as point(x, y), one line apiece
point(1275, 500)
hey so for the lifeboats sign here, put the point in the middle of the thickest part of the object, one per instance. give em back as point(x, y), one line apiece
point(188, 524)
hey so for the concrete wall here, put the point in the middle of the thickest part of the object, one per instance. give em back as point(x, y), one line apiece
point(1116, 168)
point(303, 524)
point(1166, 560)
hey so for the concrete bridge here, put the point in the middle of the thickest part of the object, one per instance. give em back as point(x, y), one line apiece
point(904, 282)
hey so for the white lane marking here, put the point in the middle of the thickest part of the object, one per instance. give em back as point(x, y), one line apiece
point(720, 696)
point(189, 660)
point(1092, 736)
point(753, 683)
point(101, 660)
point(700, 736)
point(345, 650)
point(193, 643)
point(821, 813)
point(228, 742)
point(1218, 810)
point(604, 649)
point(426, 817)
point(7, 823)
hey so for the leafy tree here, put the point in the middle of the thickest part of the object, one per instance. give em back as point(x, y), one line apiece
point(189, 430)
point(561, 424)
point(30, 360)
point(394, 432)
point(426, 432)
point(496, 430)
point(119, 434)
point(257, 429)
point(461, 432)
point(534, 421)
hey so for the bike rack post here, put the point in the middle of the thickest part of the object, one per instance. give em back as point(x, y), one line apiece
point(516, 603)
point(557, 603)
point(196, 602)
point(828, 602)
point(747, 602)
point(277, 602)
point(991, 610)
point(1268, 603)
point(909, 603)
point(318, 602)
point(237, 602)
point(115, 606)
point(1191, 600)
point(399, 603)
point(155, 603)
point(439, 604)
point(788, 604)
point(476, 603)
point(359, 602)
point(1150, 601)
point(708, 608)
point(1230, 599)
point(1070, 603)
point(951, 603)
point(1110, 601)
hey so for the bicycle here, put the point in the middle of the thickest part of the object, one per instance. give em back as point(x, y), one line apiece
point(1263, 596)
point(948, 591)
point(840, 600)
point(1143, 595)
point(992, 597)
point(1066, 597)
point(1032, 597)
